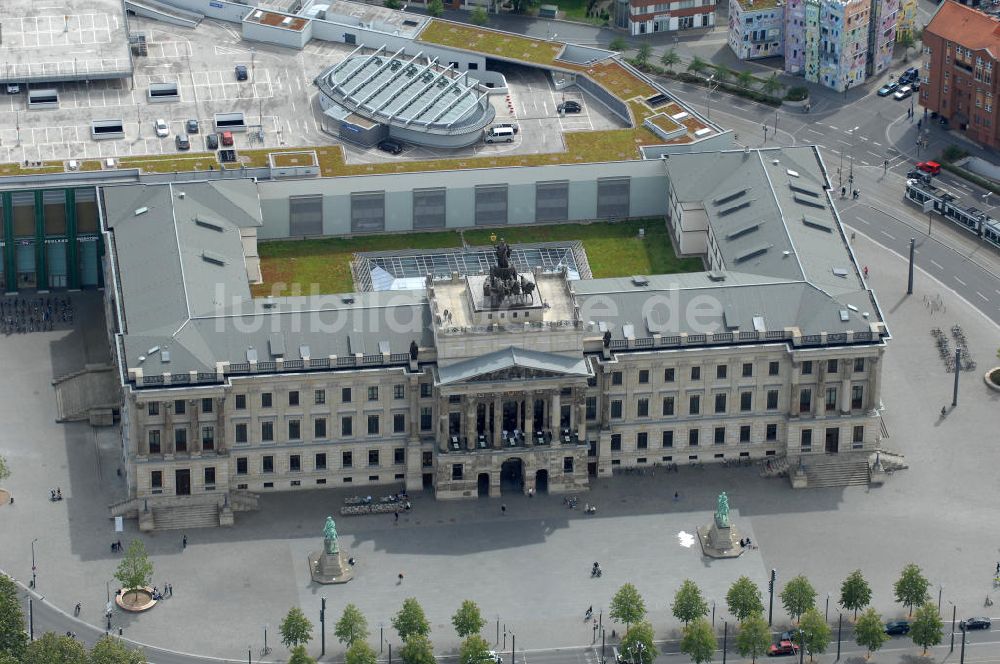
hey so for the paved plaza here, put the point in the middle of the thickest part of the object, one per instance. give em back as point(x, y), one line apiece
point(529, 569)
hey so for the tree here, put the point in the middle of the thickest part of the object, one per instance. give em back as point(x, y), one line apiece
point(797, 596)
point(55, 649)
point(13, 636)
point(351, 627)
point(479, 16)
point(135, 570)
point(670, 59)
point(855, 593)
point(300, 656)
point(109, 650)
point(417, 650)
point(906, 40)
point(744, 599)
point(911, 588)
point(468, 620)
point(474, 650)
point(627, 606)
point(7, 658)
point(869, 631)
point(435, 8)
point(815, 632)
point(637, 644)
point(295, 629)
point(926, 628)
point(410, 620)
point(642, 55)
point(361, 653)
point(697, 65)
point(392, 4)
point(771, 85)
point(698, 641)
point(745, 79)
point(688, 602)
point(618, 44)
point(4, 469)
point(723, 73)
point(754, 637)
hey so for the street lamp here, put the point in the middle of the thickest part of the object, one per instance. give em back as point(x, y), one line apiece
point(708, 95)
point(770, 605)
point(940, 590)
point(33, 569)
point(826, 616)
point(850, 178)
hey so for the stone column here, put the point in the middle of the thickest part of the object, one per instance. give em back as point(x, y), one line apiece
point(414, 392)
point(497, 422)
point(875, 382)
point(167, 437)
point(793, 397)
point(220, 425)
point(443, 430)
point(556, 413)
point(529, 414)
point(581, 421)
point(470, 422)
point(845, 396)
point(140, 432)
point(194, 445)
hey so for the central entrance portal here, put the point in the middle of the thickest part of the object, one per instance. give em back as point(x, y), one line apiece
point(512, 476)
point(541, 481)
point(483, 485)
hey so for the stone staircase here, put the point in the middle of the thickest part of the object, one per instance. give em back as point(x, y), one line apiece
point(243, 501)
point(775, 467)
point(187, 516)
point(839, 470)
point(92, 394)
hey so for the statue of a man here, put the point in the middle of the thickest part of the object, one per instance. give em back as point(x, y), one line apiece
point(722, 511)
point(330, 536)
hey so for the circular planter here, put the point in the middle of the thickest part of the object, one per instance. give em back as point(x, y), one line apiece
point(992, 379)
point(4, 497)
point(796, 104)
point(135, 600)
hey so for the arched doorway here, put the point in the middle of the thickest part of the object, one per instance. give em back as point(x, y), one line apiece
point(484, 484)
point(541, 481)
point(512, 476)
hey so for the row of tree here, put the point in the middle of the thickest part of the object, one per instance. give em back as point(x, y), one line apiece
point(753, 637)
point(411, 625)
point(50, 648)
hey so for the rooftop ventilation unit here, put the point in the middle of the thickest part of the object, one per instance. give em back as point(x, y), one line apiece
point(844, 316)
point(840, 272)
point(383, 347)
point(753, 252)
point(790, 172)
point(212, 257)
point(211, 225)
point(758, 324)
point(716, 275)
point(817, 224)
point(734, 208)
point(639, 280)
point(852, 307)
point(251, 354)
point(276, 344)
point(142, 210)
point(725, 198)
point(304, 353)
point(803, 200)
point(165, 357)
point(803, 190)
point(742, 230)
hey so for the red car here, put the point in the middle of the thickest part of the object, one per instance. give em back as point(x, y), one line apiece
point(931, 167)
point(783, 648)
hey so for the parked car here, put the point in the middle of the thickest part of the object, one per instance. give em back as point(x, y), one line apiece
point(902, 93)
point(909, 76)
point(212, 141)
point(507, 125)
point(13, 88)
point(979, 622)
point(227, 138)
point(241, 73)
point(390, 146)
point(493, 658)
point(182, 142)
point(888, 88)
point(569, 107)
point(782, 648)
point(162, 128)
point(931, 167)
point(914, 174)
point(897, 627)
point(191, 126)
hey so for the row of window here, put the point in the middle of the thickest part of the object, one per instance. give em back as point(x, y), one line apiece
point(319, 461)
point(458, 469)
point(747, 371)
point(694, 437)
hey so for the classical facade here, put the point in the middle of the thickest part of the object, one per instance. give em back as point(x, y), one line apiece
point(480, 384)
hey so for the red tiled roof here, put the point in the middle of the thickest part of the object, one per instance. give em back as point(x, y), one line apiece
point(966, 26)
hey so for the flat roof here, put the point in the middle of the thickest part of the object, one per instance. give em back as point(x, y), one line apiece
point(287, 21)
point(373, 17)
point(72, 40)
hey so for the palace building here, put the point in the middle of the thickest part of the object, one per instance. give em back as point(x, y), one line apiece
point(518, 376)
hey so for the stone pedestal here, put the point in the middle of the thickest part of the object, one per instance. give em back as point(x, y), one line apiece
point(799, 479)
point(719, 541)
point(329, 568)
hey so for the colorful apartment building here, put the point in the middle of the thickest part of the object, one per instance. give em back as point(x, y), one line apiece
point(906, 21)
point(643, 17)
point(961, 51)
point(756, 28)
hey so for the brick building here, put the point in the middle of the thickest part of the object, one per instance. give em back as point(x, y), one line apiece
point(961, 46)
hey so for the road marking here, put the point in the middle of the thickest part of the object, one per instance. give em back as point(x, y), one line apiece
point(996, 291)
point(887, 235)
point(960, 281)
point(876, 143)
point(832, 127)
point(814, 131)
point(936, 264)
point(985, 299)
point(878, 156)
point(844, 142)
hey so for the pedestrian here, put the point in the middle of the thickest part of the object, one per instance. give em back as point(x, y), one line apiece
point(119, 546)
point(400, 579)
point(396, 514)
point(919, 122)
point(531, 492)
point(865, 270)
point(843, 192)
point(184, 542)
point(170, 590)
point(998, 569)
point(503, 509)
point(677, 496)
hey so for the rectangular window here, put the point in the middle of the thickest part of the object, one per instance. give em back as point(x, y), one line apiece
point(399, 391)
point(399, 423)
point(805, 400)
point(616, 377)
point(695, 373)
point(367, 211)
point(319, 428)
point(347, 459)
point(858, 435)
point(643, 376)
point(857, 397)
point(241, 432)
point(208, 438)
point(293, 398)
point(295, 463)
point(668, 406)
point(319, 397)
point(720, 403)
point(693, 437)
point(346, 426)
point(305, 215)
point(567, 464)
point(831, 366)
point(426, 418)
point(399, 456)
point(721, 371)
point(372, 457)
point(267, 431)
point(748, 369)
point(720, 435)
point(241, 465)
point(746, 401)
point(456, 471)
point(267, 464)
point(552, 201)
point(320, 461)
point(294, 429)
point(373, 425)
point(694, 404)
point(641, 440)
point(154, 441)
point(668, 375)
point(265, 400)
point(806, 439)
point(616, 442)
point(772, 432)
point(490, 205)
point(425, 390)
point(429, 207)
point(773, 368)
point(667, 439)
point(831, 398)
point(181, 440)
point(209, 478)
point(643, 408)
point(241, 402)
point(207, 405)
point(807, 367)
point(345, 395)
point(180, 406)
point(153, 408)
point(613, 198)
point(427, 459)
point(373, 392)
point(859, 364)
point(156, 479)
point(591, 408)
point(772, 399)
point(745, 433)
point(616, 408)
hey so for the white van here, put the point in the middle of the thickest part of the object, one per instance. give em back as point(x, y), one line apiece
point(499, 135)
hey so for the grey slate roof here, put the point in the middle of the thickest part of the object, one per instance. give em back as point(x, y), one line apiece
point(509, 358)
